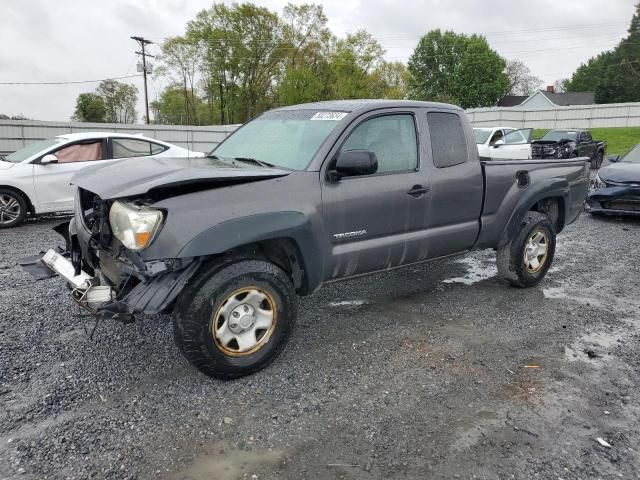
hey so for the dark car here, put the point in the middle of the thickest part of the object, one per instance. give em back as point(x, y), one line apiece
point(616, 188)
point(570, 143)
point(300, 197)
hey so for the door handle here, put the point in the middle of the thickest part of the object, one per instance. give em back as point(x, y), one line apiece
point(417, 191)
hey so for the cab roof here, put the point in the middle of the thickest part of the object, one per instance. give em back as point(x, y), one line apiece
point(363, 105)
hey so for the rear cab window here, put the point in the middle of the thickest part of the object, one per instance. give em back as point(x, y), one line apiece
point(448, 139)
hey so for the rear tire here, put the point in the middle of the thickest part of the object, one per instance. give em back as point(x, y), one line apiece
point(525, 260)
point(221, 321)
point(13, 208)
point(596, 162)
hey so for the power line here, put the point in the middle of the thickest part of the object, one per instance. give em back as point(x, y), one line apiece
point(74, 82)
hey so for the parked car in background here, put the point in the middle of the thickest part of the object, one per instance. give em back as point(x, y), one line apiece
point(571, 143)
point(515, 145)
point(616, 187)
point(486, 137)
point(303, 196)
point(36, 179)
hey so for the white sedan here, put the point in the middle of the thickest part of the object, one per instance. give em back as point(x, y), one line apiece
point(36, 179)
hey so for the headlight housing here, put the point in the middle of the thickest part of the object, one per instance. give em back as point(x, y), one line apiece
point(598, 183)
point(134, 226)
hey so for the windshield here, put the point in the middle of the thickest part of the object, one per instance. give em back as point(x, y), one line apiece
point(557, 135)
point(287, 139)
point(32, 149)
point(632, 156)
point(482, 135)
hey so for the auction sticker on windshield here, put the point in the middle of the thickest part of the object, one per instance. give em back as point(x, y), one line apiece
point(334, 116)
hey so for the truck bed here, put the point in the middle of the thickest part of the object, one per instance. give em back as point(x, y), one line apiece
point(512, 186)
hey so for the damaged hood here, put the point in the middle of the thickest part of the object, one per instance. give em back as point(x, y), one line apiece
point(138, 176)
point(621, 173)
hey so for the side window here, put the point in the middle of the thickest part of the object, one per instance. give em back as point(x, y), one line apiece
point(391, 137)
point(586, 137)
point(515, 138)
point(129, 147)
point(80, 152)
point(156, 148)
point(448, 141)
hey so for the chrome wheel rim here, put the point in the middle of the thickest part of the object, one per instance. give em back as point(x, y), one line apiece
point(244, 321)
point(9, 209)
point(536, 251)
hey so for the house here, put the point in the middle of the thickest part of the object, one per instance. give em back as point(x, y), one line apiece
point(544, 99)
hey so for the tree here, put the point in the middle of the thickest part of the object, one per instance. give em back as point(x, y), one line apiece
point(454, 67)
point(352, 59)
point(180, 62)
point(388, 80)
point(590, 74)
point(521, 80)
point(89, 108)
point(613, 75)
point(119, 101)
point(241, 59)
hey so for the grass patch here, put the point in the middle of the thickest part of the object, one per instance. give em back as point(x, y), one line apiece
point(619, 140)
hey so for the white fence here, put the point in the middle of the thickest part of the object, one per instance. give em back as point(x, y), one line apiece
point(578, 116)
point(16, 134)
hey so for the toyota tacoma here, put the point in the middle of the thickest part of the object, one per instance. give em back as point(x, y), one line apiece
point(297, 198)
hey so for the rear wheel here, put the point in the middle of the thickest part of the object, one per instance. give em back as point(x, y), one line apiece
point(596, 162)
point(525, 260)
point(13, 208)
point(234, 319)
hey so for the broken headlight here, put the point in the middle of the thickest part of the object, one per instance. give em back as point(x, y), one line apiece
point(134, 226)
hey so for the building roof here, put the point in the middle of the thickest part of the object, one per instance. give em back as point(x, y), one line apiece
point(558, 99)
point(511, 100)
point(570, 98)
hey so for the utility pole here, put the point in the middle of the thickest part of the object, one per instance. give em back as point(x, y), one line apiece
point(143, 43)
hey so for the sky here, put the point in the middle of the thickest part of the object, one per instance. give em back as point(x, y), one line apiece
point(75, 40)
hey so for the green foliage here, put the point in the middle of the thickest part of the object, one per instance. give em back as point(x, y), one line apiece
point(462, 69)
point(237, 60)
point(119, 101)
point(112, 101)
point(613, 75)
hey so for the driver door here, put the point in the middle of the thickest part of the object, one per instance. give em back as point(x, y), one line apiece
point(375, 222)
point(515, 145)
point(52, 181)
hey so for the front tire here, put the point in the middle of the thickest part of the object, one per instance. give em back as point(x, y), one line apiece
point(234, 319)
point(525, 260)
point(13, 208)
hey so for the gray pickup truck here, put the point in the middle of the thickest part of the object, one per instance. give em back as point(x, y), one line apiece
point(297, 198)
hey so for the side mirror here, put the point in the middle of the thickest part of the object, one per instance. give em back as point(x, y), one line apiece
point(355, 162)
point(49, 158)
point(614, 158)
point(498, 143)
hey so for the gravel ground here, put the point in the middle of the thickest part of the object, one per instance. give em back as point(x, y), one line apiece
point(418, 373)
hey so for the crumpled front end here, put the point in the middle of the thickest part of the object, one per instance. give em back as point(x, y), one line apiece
point(613, 199)
point(108, 279)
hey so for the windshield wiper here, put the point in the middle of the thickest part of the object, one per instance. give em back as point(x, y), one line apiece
point(255, 161)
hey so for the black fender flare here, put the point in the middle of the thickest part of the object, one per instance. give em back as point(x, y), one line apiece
point(252, 229)
point(542, 190)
